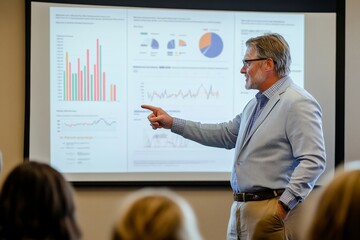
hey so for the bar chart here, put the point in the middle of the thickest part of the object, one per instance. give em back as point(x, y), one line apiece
point(86, 80)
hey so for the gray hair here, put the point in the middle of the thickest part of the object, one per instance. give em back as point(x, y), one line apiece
point(274, 46)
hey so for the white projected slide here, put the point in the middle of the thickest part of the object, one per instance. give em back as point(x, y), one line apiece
point(105, 63)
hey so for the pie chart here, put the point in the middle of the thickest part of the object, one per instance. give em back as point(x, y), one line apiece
point(150, 42)
point(211, 45)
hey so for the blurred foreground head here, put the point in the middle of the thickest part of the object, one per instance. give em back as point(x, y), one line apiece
point(156, 214)
point(337, 213)
point(36, 202)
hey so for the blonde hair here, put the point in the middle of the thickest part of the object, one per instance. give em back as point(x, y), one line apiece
point(156, 214)
point(338, 211)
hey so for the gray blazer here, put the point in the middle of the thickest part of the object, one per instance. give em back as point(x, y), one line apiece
point(285, 148)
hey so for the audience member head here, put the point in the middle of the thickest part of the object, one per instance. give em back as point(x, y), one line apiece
point(36, 202)
point(156, 214)
point(337, 213)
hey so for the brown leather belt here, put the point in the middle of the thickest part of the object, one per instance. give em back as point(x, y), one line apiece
point(257, 196)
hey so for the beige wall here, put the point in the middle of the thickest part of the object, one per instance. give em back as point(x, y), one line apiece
point(352, 83)
point(12, 81)
point(97, 208)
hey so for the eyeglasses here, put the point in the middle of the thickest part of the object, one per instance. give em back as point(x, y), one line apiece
point(246, 62)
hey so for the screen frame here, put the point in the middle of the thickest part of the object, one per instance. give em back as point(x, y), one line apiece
point(332, 6)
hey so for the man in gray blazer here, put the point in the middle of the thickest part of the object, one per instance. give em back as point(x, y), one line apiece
point(280, 150)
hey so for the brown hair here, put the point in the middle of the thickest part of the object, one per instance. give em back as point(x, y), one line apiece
point(36, 202)
point(338, 212)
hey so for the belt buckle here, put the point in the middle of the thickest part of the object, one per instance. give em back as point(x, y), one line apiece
point(243, 196)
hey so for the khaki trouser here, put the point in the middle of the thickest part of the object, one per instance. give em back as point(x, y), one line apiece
point(257, 220)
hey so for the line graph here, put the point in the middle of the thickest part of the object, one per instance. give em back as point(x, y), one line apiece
point(200, 92)
point(164, 140)
point(88, 125)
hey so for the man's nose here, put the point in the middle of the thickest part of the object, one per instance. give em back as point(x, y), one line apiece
point(243, 70)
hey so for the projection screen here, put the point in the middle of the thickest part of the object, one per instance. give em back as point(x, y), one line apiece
point(92, 66)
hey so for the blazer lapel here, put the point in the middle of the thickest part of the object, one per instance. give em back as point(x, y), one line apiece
point(265, 112)
point(246, 115)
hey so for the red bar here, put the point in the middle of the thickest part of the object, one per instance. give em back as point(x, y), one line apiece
point(79, 81)
point(98, 69)
point(95, 83)
point(67, 77)
point(88, 73)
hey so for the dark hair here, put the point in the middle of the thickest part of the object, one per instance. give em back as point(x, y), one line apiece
point(36, 202)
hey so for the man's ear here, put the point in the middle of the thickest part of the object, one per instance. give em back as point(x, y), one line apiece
point(269, 65)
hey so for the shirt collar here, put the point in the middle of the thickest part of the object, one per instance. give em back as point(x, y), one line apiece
point(274, 88)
